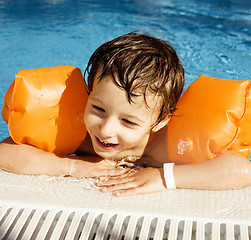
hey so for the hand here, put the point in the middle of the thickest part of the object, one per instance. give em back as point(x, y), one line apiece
point(93, 167)
point(145, 180)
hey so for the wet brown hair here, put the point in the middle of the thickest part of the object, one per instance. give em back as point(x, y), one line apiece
point(139, 63)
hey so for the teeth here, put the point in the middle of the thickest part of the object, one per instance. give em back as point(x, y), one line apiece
point(106, 144)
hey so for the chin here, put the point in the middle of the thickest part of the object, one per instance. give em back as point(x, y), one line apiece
point(106, 155)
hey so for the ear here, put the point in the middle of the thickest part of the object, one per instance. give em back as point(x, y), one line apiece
point(162, 124)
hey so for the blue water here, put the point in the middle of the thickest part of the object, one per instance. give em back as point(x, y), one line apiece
point(212, 37)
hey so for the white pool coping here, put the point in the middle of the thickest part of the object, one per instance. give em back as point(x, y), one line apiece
point(67, 194)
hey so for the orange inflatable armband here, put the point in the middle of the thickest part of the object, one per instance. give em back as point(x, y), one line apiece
point(213, 115)
point(43, 107)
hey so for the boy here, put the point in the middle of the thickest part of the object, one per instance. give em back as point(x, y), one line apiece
point(134, 84)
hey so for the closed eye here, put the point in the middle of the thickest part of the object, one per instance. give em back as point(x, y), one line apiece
point(130, 123)
point(98, 108)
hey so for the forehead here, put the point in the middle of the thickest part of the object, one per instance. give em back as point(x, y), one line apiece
point(109, 92)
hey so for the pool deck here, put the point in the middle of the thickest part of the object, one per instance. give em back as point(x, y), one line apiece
point(21, 192)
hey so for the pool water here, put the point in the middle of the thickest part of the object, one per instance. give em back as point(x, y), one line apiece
point(212, 37)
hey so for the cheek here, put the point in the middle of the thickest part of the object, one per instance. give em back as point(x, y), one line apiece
point(131, 137)
point(89, 119)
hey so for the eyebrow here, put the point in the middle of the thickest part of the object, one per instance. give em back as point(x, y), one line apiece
point(97, 99)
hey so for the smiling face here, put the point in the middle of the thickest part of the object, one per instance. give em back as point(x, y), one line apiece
point(118, 128)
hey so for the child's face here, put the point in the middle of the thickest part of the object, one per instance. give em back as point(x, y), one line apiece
point(118, 128)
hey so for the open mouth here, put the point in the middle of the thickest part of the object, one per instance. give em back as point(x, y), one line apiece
point(106, 145)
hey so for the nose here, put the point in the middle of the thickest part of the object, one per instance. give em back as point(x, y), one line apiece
point(108, 128)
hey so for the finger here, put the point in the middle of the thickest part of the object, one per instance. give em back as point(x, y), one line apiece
point(119, 187)
point(127, 173)
point(113, 180)
point(129, 192)
point(107, 181)
point(110, 162)
point(110, 172)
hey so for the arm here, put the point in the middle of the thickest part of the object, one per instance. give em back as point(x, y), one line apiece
point(227, 171)
point(26, 159)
